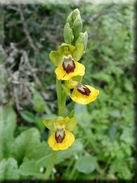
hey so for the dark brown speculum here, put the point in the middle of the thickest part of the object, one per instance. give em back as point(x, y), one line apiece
point(83, 89)
point(68, 64)
point(60, 135)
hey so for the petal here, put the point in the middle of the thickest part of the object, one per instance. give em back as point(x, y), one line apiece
point(52, 141)
point(79, 98)
point(67, 142)
point(62, 75)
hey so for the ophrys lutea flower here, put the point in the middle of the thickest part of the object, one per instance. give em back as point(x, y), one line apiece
point(80, 93)
point(66, 59)
point(61, 136)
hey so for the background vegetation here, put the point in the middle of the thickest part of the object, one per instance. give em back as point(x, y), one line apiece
point(104, 147)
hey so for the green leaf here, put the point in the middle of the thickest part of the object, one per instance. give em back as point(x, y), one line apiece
point(25, 143)
point(102, 76)
point(28, 116)
point(50, 116)
point(68, 34)
point(83, 117)
point(40, 151)
point(127, 135)
point(86, 164)
point(38, 102)
point(7, 127)
point(35, 167)
point(9, 169)
point(128, 85)
point(120, 167)
point(73, 150)
point(78, 52)
point(36, 160)
point(29, 168)
point(83, 38)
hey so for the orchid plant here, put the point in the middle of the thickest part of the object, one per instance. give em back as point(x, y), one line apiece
point(69, 74)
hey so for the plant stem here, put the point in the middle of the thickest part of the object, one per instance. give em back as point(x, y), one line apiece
point(61, 96)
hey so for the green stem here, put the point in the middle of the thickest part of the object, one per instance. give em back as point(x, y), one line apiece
point(61, 97)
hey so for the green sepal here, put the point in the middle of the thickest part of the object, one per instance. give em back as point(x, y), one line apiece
point(55, 57)
point(79, 50)
point(66, 49)
point(83, 38)
point(68, 34)
point(71, 123)
point(49, 124)
point(77, 27)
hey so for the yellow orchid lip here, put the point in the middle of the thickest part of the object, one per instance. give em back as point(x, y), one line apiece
point(69, 68)
point(84, 94)
point(68, 64)
point(83, 89)
point(60, 135)
point(62, 142)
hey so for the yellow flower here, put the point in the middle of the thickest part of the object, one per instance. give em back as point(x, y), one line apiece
point(66, 59)
point(82, 94)
point(61, 137)
point(69, 68)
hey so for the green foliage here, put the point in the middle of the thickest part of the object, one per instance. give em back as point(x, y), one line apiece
point(22, 146)
point(75, 149)
point(38, 102)
point(86, 164)
point(28, 116)
point(9, 169)
point(7, 127)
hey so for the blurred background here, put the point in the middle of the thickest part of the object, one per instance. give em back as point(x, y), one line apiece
point(104, 148)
